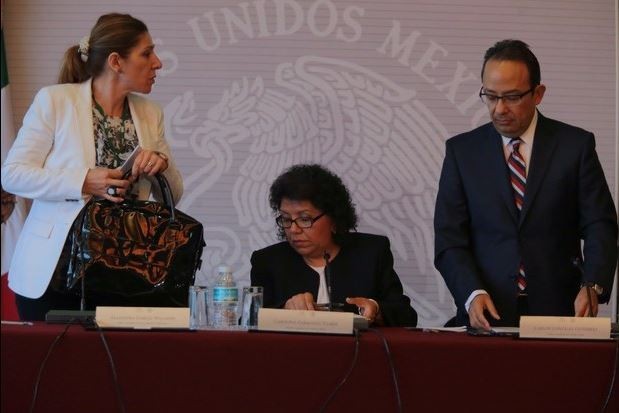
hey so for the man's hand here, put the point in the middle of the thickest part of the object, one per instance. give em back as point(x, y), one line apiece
point(482, 303)
point(581, 303)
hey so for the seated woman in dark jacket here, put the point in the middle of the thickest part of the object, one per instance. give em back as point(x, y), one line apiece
point(315, 216)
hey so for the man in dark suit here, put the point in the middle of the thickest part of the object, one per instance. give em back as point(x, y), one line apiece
point(516, 197)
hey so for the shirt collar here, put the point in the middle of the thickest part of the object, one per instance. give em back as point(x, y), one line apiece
point(527, 136)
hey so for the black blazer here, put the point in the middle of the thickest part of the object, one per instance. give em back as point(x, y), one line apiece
point(362, 268)
point(481, 238)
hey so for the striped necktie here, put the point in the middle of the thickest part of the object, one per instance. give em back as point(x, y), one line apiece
point(517, 172)
point(518, 178)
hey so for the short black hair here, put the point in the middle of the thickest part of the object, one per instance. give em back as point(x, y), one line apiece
point(321, 187)
point(516, 50)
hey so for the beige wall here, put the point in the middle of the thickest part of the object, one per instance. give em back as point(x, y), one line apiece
point(369, 88)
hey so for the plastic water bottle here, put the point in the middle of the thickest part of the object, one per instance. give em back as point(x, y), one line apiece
point(225, 299)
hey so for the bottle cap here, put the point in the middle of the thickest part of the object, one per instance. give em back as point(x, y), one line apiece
point(222, 269)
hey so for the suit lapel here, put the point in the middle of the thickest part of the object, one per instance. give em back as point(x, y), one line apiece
point(136, 117)
point(83, 112)
point(305, 278)
point(544, 145)
point(492, 152)
point(144, 139)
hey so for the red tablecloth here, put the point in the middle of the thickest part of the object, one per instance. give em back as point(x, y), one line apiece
point(7, 300)
point(268, 372)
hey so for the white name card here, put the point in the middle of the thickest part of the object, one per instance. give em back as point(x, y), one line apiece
point(142, 317)
point(583, 328)
point(299, 321)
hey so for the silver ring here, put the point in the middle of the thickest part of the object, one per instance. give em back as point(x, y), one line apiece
point(149, 163)
point(111, 191)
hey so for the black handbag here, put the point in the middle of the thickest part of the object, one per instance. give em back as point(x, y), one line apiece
point(134, 253)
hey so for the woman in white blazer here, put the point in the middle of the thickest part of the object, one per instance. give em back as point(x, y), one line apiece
point(74, 138)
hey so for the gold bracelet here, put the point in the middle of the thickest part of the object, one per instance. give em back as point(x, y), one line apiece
point(162, 155)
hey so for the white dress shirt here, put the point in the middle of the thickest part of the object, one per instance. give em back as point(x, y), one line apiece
point(323, 296)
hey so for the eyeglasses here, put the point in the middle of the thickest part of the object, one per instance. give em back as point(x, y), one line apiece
point(302, 221)
point(491, 99)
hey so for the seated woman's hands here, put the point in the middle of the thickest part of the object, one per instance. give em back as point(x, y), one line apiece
point(368, 308)
point(302, 301)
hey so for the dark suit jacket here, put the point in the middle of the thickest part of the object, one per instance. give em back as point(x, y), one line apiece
point(362, 268)
point(481, 238)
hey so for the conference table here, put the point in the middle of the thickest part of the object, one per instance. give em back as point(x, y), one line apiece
point(232, 371)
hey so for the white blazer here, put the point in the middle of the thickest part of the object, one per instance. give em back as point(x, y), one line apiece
point(48, 163)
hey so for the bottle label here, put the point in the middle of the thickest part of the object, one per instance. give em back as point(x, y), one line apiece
point(223, 294)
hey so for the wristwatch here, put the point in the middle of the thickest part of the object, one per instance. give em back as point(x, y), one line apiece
point(162, 155)
point(598, 289)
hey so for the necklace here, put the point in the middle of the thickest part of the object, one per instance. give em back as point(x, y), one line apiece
point(114, 137)
point(125, 114)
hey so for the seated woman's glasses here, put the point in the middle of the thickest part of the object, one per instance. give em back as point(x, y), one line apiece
point(302, 221)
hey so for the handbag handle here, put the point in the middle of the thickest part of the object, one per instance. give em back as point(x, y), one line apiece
point(166, 192)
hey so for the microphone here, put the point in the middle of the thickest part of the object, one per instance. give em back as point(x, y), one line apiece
point(83, 297)
point(577, 262)
point(326, 256)
point(81, 316)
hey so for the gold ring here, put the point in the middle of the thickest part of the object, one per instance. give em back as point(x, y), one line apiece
point(149, 163)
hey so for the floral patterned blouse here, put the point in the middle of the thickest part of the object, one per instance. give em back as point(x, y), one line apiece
point(115, 137)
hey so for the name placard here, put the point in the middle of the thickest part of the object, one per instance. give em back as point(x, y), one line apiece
point(583, 328)
point(142, 317)
point(324, 322)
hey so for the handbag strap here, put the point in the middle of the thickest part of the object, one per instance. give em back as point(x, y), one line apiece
point(164, 186)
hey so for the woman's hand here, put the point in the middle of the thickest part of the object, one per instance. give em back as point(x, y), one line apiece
point(149, 163)
point(303, 301)
point(368, 308)
point(106, 183)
